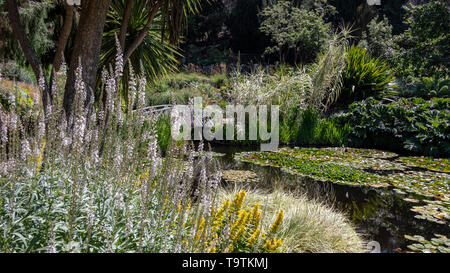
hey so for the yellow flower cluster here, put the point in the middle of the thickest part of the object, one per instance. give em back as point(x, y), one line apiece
point(272, 245)
point(245, 234)
point(254, 237)
point(276, 224)
point(238, 228)
point(200, 229)
point(188, 207)
point(238, 201)
point(143, 177)
point(219, 216)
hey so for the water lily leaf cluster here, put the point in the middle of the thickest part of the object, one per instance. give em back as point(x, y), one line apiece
point(439, 244)
point(424, 177)
point(436, 164)
point(239, 176)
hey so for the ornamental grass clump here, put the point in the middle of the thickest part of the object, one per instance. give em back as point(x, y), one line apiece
point(296, 223)
point(316, 86)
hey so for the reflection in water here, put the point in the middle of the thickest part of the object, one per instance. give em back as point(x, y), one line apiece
point(380, 215)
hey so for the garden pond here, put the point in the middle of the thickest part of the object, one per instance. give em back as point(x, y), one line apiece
point(403, 203)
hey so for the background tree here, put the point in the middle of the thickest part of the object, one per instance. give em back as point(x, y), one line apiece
point(207, 26)
point(243, 24)
point(37, 25)
point(88, 38)
point(378, 38)
point(424, 48)
point(295, 30)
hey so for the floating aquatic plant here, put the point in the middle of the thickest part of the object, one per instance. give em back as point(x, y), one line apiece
point(439, 244)
point(430, 163)
point(238, 176)
point(422, 176)
point(434, 211)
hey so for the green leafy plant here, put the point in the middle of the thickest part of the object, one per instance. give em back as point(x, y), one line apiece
point(435, 86)
point(295, 30)
point(164, 132)
point(414, 124)
point(423, 48)
point(439, 244)
point(378, 39)
point(364, 77)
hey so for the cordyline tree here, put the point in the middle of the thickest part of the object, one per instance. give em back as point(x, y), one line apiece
point(88, 38)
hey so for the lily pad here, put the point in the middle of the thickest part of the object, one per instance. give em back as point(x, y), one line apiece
point(238, 176)
point(439, 244)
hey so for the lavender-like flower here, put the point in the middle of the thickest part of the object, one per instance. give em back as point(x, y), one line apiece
point(4, 128)
point(119, 61)
point(129, 224)
point(13, 121)
point(118, 156)
point(131, 90)
point(141, 92)
point(41, 82)
point(79, 130)
point(41, 129)
point(25, 149)
point(12, 100)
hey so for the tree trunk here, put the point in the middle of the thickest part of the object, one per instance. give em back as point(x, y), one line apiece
point(86, 51)
point(64, 36)
point(30, 55)
point(124, 26)
point(143, 33)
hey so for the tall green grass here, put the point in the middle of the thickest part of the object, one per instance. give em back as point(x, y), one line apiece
point(308, 128)
point(163, 130)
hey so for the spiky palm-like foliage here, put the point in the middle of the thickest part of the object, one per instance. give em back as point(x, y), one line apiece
point(364, 77)
point(154, 57)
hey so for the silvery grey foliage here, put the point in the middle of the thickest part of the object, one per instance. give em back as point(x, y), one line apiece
point(96, 181)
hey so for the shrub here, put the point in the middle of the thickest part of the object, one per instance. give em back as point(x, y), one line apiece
point(309, 119)
point(330, 134)
point(310, 129)
point(14, 72)
point(423, 48)
point(300, 32)
point(18, 97)
point(414, 124)
point(242, 228)
point(315, 86)
point(180, 87)
point(364, 77)
point(428, 87)
point(378, 39)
